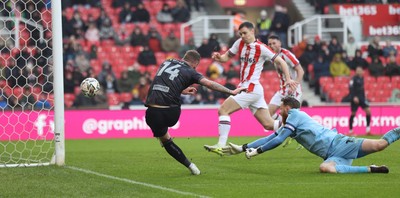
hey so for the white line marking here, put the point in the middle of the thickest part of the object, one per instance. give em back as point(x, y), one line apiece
point(135, 182)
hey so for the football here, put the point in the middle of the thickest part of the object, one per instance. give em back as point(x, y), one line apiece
point(90, 87)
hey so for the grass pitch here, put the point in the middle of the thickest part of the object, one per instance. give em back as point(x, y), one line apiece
point(141, 168)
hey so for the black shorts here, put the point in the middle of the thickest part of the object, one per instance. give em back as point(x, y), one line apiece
point(159, 119)
point(363, 103)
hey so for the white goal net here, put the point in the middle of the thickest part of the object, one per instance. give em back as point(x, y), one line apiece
point(28, 64)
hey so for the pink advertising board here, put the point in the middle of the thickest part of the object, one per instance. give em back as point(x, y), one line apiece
point(203, 122)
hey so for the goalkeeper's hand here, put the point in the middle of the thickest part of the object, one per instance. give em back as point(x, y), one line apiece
point(232, 149)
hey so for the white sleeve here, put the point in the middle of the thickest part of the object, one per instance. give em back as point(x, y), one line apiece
point(235, 47)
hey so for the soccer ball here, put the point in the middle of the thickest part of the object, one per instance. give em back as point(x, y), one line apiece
point(90, 87)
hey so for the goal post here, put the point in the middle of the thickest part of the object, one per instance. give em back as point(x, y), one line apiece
point(59, 135)
point(31, 84)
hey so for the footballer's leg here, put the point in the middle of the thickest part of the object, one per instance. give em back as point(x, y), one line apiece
point(228, 107)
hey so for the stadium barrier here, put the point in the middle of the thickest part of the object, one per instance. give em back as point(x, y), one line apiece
point(194, 122)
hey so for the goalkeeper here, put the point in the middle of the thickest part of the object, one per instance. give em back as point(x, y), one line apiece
point(337, 150)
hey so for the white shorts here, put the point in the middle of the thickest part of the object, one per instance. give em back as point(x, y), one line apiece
point(253, 100)
point(277, 98)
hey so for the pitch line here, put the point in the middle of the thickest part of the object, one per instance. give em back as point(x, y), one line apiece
point(135, 182)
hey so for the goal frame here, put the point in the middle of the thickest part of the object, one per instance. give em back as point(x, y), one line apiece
point(58, 157)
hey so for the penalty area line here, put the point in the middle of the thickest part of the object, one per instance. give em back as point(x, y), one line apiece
point(134, 182)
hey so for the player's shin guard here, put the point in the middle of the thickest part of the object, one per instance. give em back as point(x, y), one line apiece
point(392, 136)
point(176, 152)
point(224, 127)
point(351, 169)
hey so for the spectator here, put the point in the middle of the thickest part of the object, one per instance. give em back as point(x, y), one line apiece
point(395, 98)
point(121, 37)
point(134, 73)
point(69, 83)
point(215, 70)
point(125, 84)
point(280, 24)
point(82, 62)
point(205, 50)
point(351, 47)
point(214, 43)
point(142, 87)
point(4, 104)
point(171, 43)
point(106, 30)
point(392, 68)
point(154, 40)
point(389, 49)
point(374, 49)
point(135, 98)
point(376, 68)
point(196, 5)
point(42, 102)
point(198, 99)
point(12, 73)
point(107, 69)
point(126, 15)
point(334, 47)
point(321, 68)
point(67, 29)
point(317, 44)
point(146, 56)
point(180, 12)
point(306, 59)
point(338, 67)
point(263, 25)
point(301, 47)
point(188, 46)
point(27, 100)
point(98, 101)
point(137, 37)
point(232, 72)
point(358, 60)
point(78, 25)
point(141, 14)
point(110, 85)
point(165, 14)
point(103, 16)
point(92, 33)
point(346, 59)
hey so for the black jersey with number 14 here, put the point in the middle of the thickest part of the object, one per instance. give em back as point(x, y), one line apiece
point(171, 79)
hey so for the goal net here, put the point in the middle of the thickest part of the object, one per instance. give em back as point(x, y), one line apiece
point(29, 65)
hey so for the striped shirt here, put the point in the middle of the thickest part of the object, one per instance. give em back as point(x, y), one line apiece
point(292, 62)
point(252, 58)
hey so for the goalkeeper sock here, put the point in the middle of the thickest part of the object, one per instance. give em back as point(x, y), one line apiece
point(351, 169)
point(392, 136)
point(224, 127)
point(176, 152)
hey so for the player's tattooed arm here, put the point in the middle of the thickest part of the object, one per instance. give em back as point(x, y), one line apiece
point(218, 87)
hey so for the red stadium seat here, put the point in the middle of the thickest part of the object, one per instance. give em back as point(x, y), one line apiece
point(126, 97)
point(325, 80)
point(113, 99)
point(383, 79)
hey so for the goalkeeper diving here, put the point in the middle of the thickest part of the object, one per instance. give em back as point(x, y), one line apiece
point(337, 150)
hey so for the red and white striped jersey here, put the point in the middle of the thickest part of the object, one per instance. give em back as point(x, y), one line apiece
point(292, 62)
point(252, 58)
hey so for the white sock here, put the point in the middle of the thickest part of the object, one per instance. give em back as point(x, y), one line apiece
point(277, 124)
point(224, 126)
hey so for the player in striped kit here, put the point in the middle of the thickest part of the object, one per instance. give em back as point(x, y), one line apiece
point(253, 54)
point(296, 73)
point(295, 70)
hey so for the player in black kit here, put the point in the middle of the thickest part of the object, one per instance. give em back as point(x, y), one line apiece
point(174, 78)
point(357, 97)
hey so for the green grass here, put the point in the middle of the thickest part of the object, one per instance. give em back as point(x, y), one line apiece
point(128, 168)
